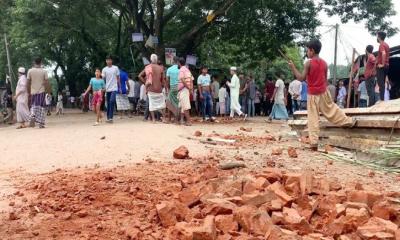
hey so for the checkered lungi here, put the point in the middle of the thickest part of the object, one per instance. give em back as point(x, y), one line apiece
point(122, 102)
point(38, 109)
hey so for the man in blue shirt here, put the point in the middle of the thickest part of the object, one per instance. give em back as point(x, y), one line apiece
point(122, 98)
point(172, 89)
point(303, 96)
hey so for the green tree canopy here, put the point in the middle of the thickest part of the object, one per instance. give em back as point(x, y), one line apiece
point(75, 36)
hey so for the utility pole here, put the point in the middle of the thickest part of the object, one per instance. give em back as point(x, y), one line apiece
point(335, 60)
point(351, 79)
point(8, 61)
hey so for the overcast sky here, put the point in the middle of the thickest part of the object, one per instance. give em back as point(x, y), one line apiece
point(353, 35)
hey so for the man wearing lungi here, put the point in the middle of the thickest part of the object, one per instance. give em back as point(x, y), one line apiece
point(153, 78)
point(38, 83)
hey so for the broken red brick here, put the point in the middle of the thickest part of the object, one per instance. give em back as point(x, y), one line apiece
point(292, 152)
point(367, 197)
point(12, 216)
point(198, 134)
point(387, 209)
point(258, 199)
point(261, 183)
point(243, 216)
point(270, 138)
point(249, 186)
point(172, 212)
point(277, 218)
point(280, 233)
point(190, 196)
point(218, 207)
point(357, 216)
point(371, 173)
point(181, 153)
point(280, 192)
point(246, 129)
point(295, 222)
point(277, 151)
point(376, 228)
point(82, 214)
point(226, 223)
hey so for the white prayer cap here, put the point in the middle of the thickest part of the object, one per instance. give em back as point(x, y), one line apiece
point(154, 58)
point(233, 68)
point(21, 70)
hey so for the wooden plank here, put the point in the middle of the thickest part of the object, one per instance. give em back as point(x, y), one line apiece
point(353, 143)
point(389, 107)
point(361, 123)
point(373, 134)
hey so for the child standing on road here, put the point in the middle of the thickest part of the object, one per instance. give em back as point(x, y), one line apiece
point(341, 98)
point(221, 100)
point(60, 105)
point(48, 103)
point(98, 86)
point(319, 98)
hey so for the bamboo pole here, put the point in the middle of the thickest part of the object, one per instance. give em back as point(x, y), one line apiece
point(10, 73)
point(351, 78)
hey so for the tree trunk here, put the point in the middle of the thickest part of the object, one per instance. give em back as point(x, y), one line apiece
point(118, 47)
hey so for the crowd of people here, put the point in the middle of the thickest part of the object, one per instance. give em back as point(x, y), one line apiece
point(171, 95)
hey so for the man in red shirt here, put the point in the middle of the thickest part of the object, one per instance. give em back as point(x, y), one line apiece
point(319, 99)
point(370, 74)
point(269, 91)
point(382, 64)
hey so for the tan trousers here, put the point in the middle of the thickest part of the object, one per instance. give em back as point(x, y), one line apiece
point(323, 104)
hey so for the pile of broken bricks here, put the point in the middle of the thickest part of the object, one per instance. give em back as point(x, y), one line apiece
point(276, 205)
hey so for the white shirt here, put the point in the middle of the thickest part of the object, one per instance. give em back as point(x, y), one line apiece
point(204, 80)
point(280, 92)
point(110, 75)
point(342, 94)
point(234, 85)
point(143, 95)
point(362, 89)
point(60, 98)
point(131, 84)
point(387, 91)
point(222, 94)
point(48, 99)
point(295, 89)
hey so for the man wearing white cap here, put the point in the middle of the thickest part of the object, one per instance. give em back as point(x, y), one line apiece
point(234, 85)
point(21, 97)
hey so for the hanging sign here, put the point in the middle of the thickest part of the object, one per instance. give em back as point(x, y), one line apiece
point(137, 37)
point(145, 61)
point(170, 53)
point(191, 60)
point(210, 16)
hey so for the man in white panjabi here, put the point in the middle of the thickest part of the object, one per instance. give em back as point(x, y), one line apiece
point(21, 98)
point(234, 85)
